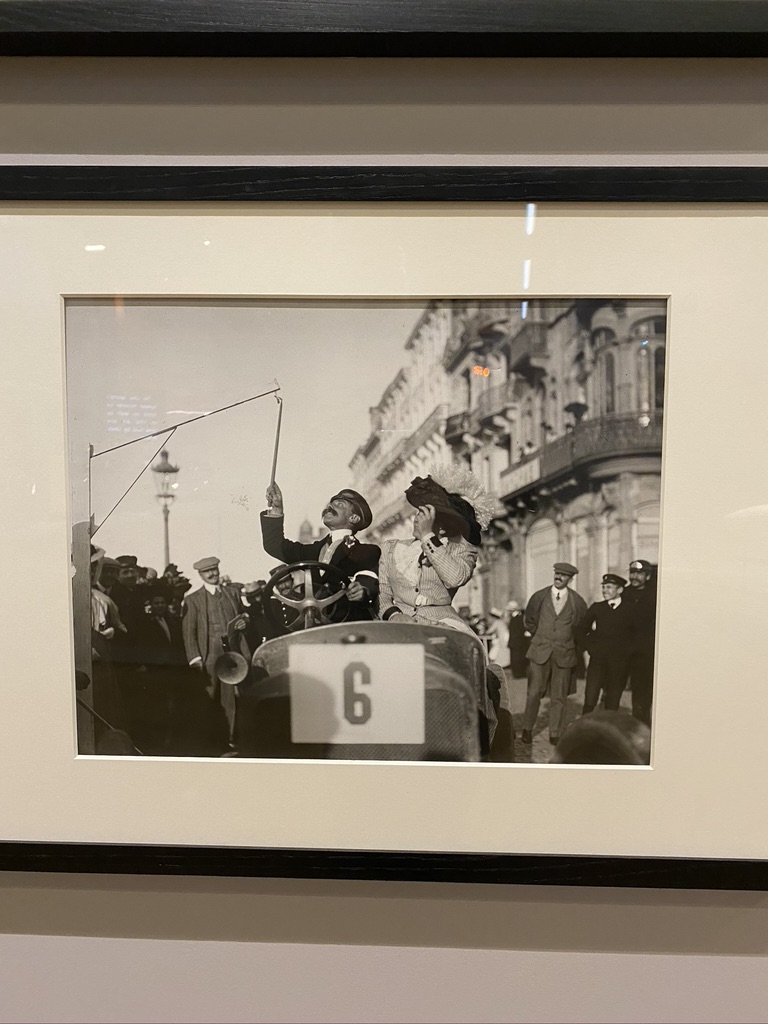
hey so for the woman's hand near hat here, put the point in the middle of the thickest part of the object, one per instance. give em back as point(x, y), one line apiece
point(424, 521)
point(275, 500)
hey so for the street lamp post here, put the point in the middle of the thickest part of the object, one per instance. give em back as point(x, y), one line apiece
point(166, 485)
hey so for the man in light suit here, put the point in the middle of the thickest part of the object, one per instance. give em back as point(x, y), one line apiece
point(553, 618)
point(211, 613)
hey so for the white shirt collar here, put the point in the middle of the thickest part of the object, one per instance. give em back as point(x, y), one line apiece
point(211, 588)
point(337, 535)
point(555, 592)
point(615, 602)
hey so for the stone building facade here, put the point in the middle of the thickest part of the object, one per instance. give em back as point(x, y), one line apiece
point(557, 407)
point(407, 435)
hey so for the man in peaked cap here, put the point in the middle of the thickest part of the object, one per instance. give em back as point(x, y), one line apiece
point(346, 513)
point(641, 594)
point(608, 633)
point(553, 617)
point(210, 613)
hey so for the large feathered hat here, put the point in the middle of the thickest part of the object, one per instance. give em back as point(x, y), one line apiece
point(461, 503)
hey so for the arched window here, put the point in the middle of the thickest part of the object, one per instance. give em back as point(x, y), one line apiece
point(651, 327)
point(658, 377)
point(613, 559)
point(541, 554)
point(580, 546)
point(645, 532)
point(609, 382)
point(602, 336)
point(643, 379)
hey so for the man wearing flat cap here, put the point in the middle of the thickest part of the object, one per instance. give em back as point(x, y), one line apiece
point(346, 513)
point(641, 594)
point(608, 633)
point(210, 613)
point(553, 617)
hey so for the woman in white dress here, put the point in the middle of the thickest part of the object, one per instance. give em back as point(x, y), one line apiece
point(418, 578)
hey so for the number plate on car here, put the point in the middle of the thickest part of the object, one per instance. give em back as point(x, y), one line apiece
point(367, 693)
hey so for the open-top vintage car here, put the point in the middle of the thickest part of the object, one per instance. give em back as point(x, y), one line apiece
point(332, 687)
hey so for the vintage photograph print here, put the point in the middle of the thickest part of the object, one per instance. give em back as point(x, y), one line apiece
point(380, 530)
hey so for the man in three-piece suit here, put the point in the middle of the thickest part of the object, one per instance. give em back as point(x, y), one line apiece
point(608, 633)
point(344, 516)
point(553, 618)
point(211, 615)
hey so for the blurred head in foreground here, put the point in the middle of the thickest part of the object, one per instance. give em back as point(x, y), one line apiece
point(604, 737)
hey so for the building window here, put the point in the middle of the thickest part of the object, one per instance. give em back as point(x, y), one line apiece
point(652, 327)
point(613, 559)
point(643, 379)
point(645, 539)
point(609, 382)
point(603, 336)
point(658, 377)
point(580, 547)
point(541, 554)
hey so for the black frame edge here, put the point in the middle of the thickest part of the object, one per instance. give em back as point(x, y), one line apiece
point(180, 183)
point(386, 45)
point(622, 872)
point(385, 28)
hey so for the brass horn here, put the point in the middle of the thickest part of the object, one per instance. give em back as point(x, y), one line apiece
point(230, 667)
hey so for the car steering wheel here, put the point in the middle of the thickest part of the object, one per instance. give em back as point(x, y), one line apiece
point(315, 599)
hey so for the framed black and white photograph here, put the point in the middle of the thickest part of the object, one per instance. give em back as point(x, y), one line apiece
point(390, 595)
point(366, 517)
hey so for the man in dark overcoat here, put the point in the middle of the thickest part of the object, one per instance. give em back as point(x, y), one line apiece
point(553, 617)
point(346, 513)
point(608, 634)
point(641, 594)
point(211, 615)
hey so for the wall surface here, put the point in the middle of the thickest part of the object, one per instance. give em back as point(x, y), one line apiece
point(77, 948)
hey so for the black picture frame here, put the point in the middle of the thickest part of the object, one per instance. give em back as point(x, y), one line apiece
point(384, 28)
point(401, 184)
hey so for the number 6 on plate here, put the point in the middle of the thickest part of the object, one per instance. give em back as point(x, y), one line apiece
point(370, 695)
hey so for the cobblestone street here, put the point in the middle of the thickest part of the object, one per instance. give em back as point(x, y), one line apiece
point(540, 752)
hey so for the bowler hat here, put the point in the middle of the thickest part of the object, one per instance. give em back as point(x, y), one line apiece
point(361, 506)
point(565, 568)
point(206, 563)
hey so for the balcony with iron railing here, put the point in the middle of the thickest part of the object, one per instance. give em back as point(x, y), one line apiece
point(456, 426)
point(431, 426)
point(530, 342)
point(600, 438)
point(497, 399)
